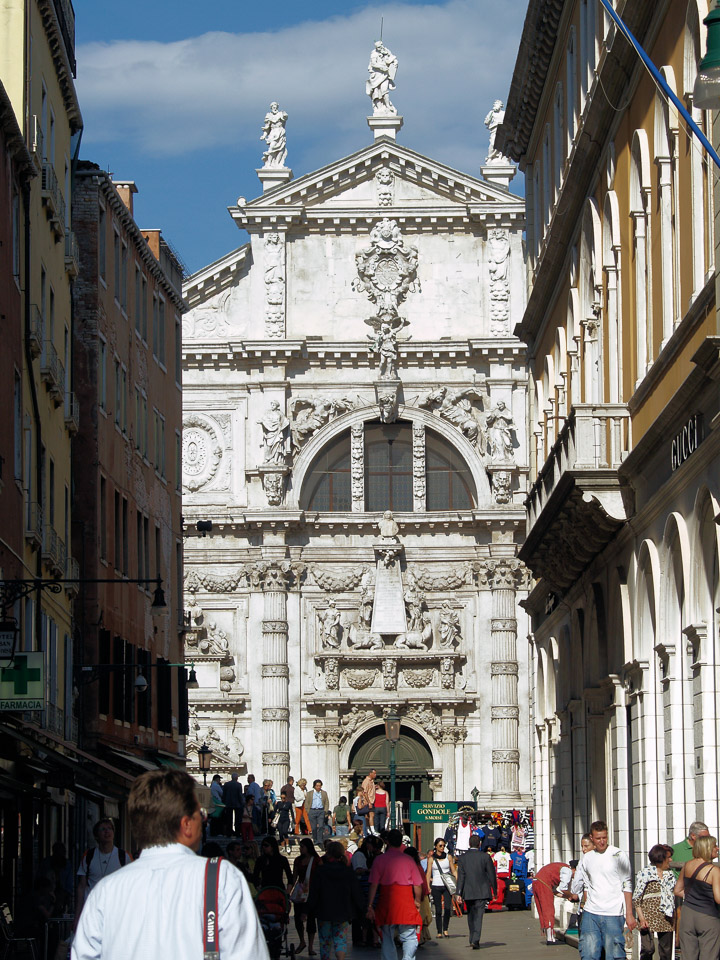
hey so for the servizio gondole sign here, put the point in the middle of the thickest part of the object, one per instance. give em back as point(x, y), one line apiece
point(434, 811)
point(22, 682)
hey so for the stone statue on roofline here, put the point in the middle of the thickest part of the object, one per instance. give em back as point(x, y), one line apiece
point(273, 133)
point(381, 80)
point(492, 121)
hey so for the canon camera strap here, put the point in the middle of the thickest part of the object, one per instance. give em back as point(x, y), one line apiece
point(210, 922)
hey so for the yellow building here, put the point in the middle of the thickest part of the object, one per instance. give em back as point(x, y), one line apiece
point(37, 67)
point(622, 331)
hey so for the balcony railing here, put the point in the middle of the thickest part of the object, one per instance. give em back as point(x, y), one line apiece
point(594, 437)
point(53, 549)
point(55, 719)
point(72, 572)
point(53, 199)
point(33, 523)
point(72, 413)
point(72, 254)
point(37, 139)
point(52, 372)
point(37, 330)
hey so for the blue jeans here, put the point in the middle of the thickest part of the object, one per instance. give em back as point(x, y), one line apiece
point(598, 932)
point(380, 818)
point(408, 939)
point(341, 830)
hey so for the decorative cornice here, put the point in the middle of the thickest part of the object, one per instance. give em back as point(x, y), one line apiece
point(216, 277)
point(64, 67)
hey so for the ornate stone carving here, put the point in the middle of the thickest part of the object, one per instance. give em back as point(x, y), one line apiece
point(332, 673)
point(361, 636)
point(328, 735)
point(387, 271)
point(275, 285)
point(360, 679)
point(384, 344)
point(195, 580)
point(388, 527)
point(275, 759)
point(227, 675)
point(330, 629)
point(498, 266)
point(275, 713)
point(419, 635)
point(502, 486)
point(354, 719)
point(275, 670)
point(447, 673)
point(449, 626)
point(450, 580)
point(505, 573)
point(500, 423)
point(455, 407)
point(273, 133)
point(418, 678)
point(311, 413)
point(276, 575)
point(389, 673)
point(275, 441)
point(385, 184)
point(425, 718)
point(504, 713)
point(274, 626)
point(492, 121)
point(201, 452)
point(506, 756)
point(273, 482)
point(194, 612)
point(357, 464)
point(418, 435)
point(504, 668)
point(503, 623)
point(339, 580)
point(388, 400)
point(381, 80)
point(216, 641)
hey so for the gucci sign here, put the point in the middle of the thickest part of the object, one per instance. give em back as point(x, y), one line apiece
point(686, 442)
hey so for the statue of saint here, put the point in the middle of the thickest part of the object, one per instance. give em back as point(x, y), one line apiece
point(381, 80)
point(449, 626)
point(492, 121)
point(385, 345)
point(275, 427)
point(499, 424)
point(330, 621)
point(273, 133)
point(388, 528)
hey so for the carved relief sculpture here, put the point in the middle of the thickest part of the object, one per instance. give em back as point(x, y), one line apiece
point(275, 440)
point(330, 626)
point(425, 719)
point(201, 452)
point(384, 344)
point(339, 580)
point(498, 265)
point(357, 465)
point(447, 673)
point(418, 441)
point(332, 673)
point(418, 678)
point(275, 285)
point(194, 580)
point(353, 720)
point(492, 121)
point(501, 483)
point(387, 271)
point(361, 636)
point(449, 626)
point(455, 407)
point(384, 183)
point(273, 133)
point(216, 641)
point(381, 80)
point(499, 425)
point(447, 580)
point(360, 679)
point(311, 413)
point(273, 486)
point(389, 673)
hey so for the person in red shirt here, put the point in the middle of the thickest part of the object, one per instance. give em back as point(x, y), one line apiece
point(398, 911)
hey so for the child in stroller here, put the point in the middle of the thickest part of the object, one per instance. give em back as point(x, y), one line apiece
point(273, 907)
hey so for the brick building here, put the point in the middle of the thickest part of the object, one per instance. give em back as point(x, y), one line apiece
point(127, 503)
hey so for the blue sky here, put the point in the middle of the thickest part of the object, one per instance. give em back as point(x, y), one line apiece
point(173, 94)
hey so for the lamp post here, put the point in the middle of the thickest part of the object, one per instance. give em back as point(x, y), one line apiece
point(706, 93)
point(204, 760)
point(392, 733)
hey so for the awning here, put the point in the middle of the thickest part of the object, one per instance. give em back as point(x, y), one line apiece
point(131, 758)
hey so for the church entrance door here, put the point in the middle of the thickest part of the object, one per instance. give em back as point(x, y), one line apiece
point(412, 757)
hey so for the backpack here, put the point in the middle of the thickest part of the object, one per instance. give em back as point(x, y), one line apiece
point(89, 854)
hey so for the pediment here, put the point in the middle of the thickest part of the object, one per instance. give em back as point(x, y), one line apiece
point(351, 186)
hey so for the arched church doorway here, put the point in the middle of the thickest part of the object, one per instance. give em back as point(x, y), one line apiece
point(412, 757)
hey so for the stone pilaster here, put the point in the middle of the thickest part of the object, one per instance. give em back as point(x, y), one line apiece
point(503, 576)
point(273, 578)
point(330, 737)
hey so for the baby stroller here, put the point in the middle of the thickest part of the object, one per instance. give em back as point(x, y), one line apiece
point(273, 907)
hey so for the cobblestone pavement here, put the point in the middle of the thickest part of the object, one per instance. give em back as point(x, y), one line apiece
point(506, 936)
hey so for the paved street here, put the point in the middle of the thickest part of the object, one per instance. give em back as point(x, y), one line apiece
point(506, 936)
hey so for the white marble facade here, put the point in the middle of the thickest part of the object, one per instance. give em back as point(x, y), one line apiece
point(357, 356)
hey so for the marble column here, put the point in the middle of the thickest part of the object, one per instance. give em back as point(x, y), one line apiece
point(273, 577)
point(448, 739)
point(330, 737)
point(503, 576)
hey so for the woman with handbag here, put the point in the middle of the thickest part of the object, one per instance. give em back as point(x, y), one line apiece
point(654, 902)
point(303, 870)
point(442, 879)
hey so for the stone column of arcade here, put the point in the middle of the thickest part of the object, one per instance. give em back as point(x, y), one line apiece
point(272, 577)
point(504, 709)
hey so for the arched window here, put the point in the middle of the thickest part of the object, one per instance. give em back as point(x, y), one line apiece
point(388, 467)
point(329, 483)
point(449, 482)
point(391, 468)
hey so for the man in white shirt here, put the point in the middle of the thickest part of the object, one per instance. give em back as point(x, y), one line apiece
point(99, 861)
point(605, 873)
point(155, 907)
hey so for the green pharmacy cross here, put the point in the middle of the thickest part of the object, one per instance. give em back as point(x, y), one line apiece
point(20, 674)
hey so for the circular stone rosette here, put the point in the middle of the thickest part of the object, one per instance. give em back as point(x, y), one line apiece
point(201, 452)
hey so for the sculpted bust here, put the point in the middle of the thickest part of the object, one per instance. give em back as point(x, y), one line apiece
point(388, 528)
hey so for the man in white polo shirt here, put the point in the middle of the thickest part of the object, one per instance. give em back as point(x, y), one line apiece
point(605, 873)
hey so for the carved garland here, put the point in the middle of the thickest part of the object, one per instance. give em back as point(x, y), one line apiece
point(357, 463)
point(418, 433)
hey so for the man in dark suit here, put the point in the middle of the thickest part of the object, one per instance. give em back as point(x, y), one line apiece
point(476, 885)
point(232, 797)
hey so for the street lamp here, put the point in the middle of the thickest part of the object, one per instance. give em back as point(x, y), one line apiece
point(706, 92)
point(204, 760)
point(392, 733)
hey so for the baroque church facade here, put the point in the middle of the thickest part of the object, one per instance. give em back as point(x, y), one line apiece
point(354, 470)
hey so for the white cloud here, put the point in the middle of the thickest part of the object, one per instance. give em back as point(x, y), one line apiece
point(212, 91)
